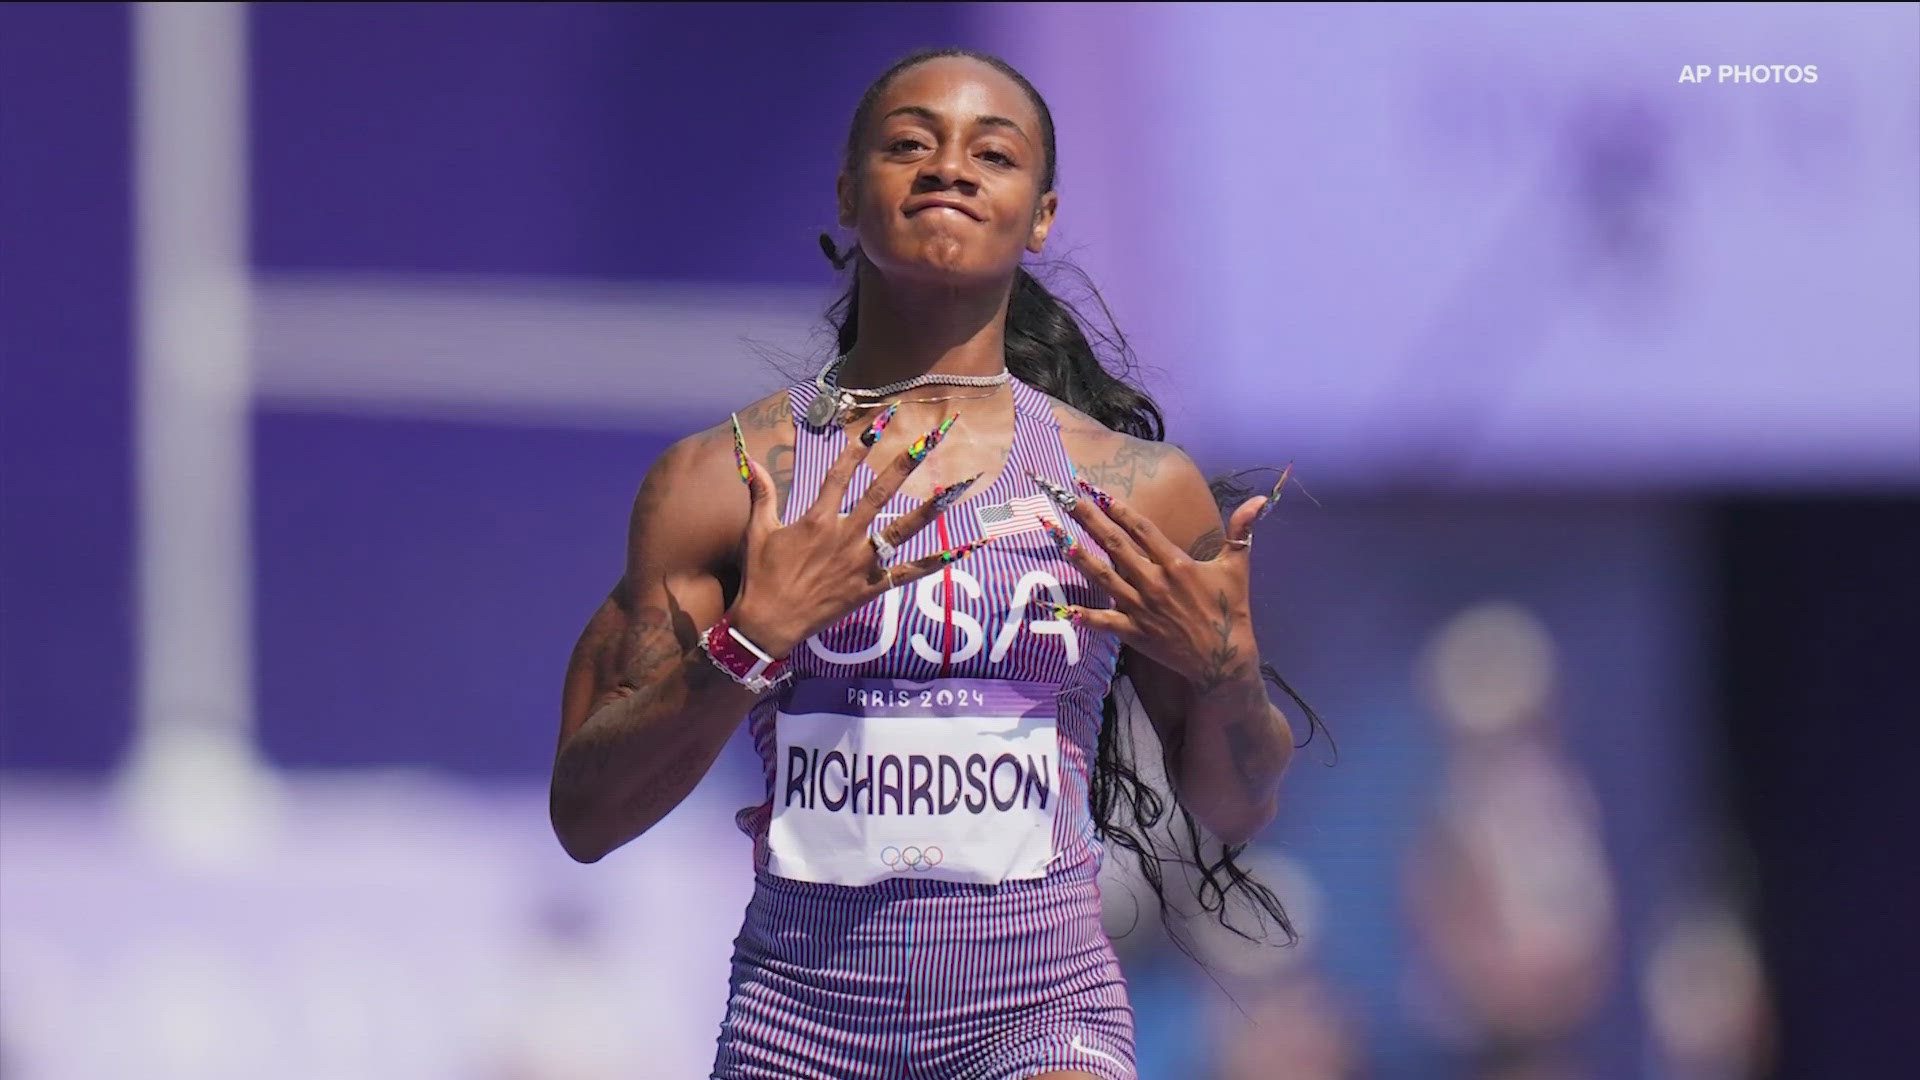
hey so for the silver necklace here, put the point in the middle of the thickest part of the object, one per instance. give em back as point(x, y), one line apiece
point(861, 405)
point(832, 402)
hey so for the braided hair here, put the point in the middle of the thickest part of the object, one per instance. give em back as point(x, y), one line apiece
point(1048, 347)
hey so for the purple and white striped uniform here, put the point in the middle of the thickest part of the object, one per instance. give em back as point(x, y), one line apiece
point(979, 956)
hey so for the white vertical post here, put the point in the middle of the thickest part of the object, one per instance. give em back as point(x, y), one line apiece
point(193, 780)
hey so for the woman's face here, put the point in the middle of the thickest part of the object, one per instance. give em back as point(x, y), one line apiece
point(946, 187)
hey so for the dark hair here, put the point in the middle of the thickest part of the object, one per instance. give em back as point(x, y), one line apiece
point(1047, 347)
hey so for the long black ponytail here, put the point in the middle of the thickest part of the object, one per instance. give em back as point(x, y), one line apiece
point(1048, 347)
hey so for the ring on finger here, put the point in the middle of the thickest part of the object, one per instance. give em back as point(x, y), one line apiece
point(881, 546)
point(1246, 543)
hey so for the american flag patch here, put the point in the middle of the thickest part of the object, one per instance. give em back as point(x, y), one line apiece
point(1017, 516)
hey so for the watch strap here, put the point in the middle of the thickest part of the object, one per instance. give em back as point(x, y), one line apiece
point(737, 655)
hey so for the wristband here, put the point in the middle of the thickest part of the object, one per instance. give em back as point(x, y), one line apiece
point(743, 661)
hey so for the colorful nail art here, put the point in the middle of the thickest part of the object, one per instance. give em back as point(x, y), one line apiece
point(1100, 498)
point(955, 554)
point(1062, 539)
point(872, 434)
point(944, 497)
point(924, 445)
point(740, 452)
point(1267, 507)
point(1062, 498)
point(1067, 612)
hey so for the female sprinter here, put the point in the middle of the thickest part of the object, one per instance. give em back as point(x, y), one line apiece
point(948, 544)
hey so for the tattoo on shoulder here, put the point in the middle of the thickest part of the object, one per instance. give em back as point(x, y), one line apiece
point(768, 413)
point(772, 414)
point(1130, 464)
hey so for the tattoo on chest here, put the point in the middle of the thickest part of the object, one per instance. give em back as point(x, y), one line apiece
point(780, 467)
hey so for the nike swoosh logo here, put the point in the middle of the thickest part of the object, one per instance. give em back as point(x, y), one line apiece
point(1083, 1048)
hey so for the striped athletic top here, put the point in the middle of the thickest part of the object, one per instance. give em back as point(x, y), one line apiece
point(1000, 596)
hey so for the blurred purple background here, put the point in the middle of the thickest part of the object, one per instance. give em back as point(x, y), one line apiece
point(337, 338)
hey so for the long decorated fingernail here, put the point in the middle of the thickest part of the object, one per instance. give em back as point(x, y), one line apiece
point(1067, 612)
point(944, 497)
point(1062, 539)
point(740, 452)
point(1100, 498)
point(872, 434)
point(924, 445)
point(1267, 507)
point(1062, 498)
point(955, 554)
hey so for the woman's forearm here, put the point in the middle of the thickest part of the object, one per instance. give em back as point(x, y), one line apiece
point(1237, 745)
point(638, 755)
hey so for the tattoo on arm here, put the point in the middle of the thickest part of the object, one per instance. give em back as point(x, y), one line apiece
point(1224, 662)
point(1124, 471)
point(1244, 710)
point(651, 662)
point(649, 643)
point(1254, 758)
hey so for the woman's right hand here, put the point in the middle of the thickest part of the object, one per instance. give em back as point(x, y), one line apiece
point(799, 578)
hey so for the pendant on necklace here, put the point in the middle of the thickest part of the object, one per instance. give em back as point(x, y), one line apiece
point(827, 406)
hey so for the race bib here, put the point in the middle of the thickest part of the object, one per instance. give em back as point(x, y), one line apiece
point(954, 779)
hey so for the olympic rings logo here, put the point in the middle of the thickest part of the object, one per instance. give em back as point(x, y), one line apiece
point(911, 858)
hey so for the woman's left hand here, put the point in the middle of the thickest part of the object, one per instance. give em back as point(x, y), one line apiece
point(1191, 615)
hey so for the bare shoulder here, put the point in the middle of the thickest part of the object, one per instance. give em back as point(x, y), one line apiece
point(691, 508)
point(1159, 479)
